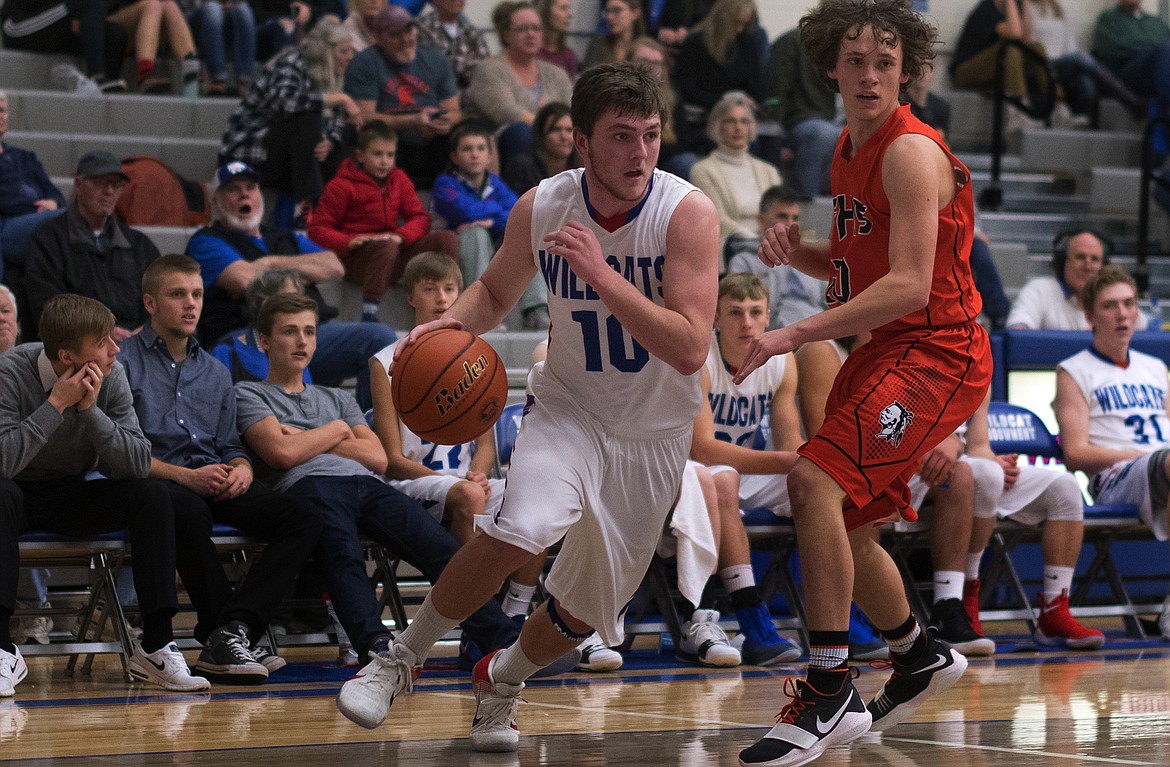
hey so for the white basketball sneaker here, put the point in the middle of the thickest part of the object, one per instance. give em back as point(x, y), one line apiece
point(13, 670)
point(704, 642)
point(366, 698)
point(595, 656)
point(166, 668)
point(494, 727)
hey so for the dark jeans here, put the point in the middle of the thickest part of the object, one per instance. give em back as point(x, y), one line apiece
point(995, 302)
point(357, 506)
point(344, 350)
point(1148, 73)
point(290, 165)
point(80, 508)
point(291, 527)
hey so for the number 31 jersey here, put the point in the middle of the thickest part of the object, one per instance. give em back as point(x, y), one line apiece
point(590, 354)
point(1127, 405)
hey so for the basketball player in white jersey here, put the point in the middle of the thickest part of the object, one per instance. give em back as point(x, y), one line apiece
point(1111, 407)
point(629, 254)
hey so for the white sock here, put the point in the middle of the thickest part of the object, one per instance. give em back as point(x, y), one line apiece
point(428, 627)
point(1056, 580)
point(973, 562)
point(737, 577)
point(517, 598)
point(370, 307)
point(512, 666)
point(948, 584)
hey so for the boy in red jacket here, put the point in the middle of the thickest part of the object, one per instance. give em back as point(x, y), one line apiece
point(371, 217)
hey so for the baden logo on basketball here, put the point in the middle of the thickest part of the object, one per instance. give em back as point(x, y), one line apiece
point(445, 398)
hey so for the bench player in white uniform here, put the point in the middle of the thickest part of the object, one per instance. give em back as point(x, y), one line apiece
point(1111, 407)
point(629, 254)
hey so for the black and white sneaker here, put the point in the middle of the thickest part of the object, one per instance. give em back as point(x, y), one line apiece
point(264, 655)
point(227, 654)
point(910, 685)
point(954, 627)
point(809, 724)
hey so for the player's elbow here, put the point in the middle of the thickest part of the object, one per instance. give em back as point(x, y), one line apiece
point(689, 361)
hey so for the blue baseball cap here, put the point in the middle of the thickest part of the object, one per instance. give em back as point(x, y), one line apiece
point(233, 170)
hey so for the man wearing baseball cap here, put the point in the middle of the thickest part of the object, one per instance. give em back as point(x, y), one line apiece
point(409, 86)
point(90, 251)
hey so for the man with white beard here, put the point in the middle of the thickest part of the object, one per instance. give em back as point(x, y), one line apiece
point(235, 248)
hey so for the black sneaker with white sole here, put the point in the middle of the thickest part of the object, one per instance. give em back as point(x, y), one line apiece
point(228, 656)
point(809, 724)
point(954, 627)
point(911, 684)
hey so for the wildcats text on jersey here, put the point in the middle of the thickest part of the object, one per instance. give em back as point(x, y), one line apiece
point(1124, 396)
point(643, 272)
point(730, 410)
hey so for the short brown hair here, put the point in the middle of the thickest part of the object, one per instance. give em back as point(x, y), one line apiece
point(283, 303)
point(823, 29)
point(430, 266)
point(739, 286)
point(68, 319)
point(503, 12)
point(375, 129)
point(472, 126)
point(630, 90)
point(1109, 275)
point(171, 263)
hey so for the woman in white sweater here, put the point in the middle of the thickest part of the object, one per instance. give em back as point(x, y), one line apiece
point(730, 175)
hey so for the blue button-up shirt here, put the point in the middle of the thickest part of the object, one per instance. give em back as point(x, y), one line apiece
point(188, 410)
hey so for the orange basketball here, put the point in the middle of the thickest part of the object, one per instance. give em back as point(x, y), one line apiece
point(449, 386)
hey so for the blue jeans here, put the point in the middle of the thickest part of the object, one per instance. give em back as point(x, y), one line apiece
point(995, 302)
point(214, 28)
point(344, 350)
point(15, 233)
point(814, 141)
point(357, 506)
point(1148, 73)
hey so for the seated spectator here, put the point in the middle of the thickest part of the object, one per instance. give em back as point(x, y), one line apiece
point(677, 20)
point(146, 21)
point(9, 326)
point(277, 126)
point(996, 305)
point(90, 251)
point(1136, 46)
point(27, 197)
point(724, 52)
point(475, 203)
point(283, 25)
point(624, 24)
point(67, 408)
point(1112, 436)
point(62, 26)
point(355, 21)
point(216, 26)
point(507, 90)
point(235, 248)
point(409, 86)
point(313, 442)
point(557, 18)
point(240, 349)
point(929, 107)
point(671, 156)
point(798, 97)
point(1054, 303)
point(553, 150)
point(186, 407)
point(731, 176)
point(359, 213)
point(989, 25)
point(443, 24)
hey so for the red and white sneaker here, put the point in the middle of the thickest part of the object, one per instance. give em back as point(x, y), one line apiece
point(494, 726)
point(1056, 626)
point(971, 604)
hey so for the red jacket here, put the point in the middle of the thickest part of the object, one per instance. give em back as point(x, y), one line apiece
point(354, 203)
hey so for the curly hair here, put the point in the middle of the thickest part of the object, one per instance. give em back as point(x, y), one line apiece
point(824, 28)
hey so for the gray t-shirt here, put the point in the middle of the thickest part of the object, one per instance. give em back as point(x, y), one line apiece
point(309, 409)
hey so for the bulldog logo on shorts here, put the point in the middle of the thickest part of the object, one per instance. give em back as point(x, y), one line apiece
point(894, 420)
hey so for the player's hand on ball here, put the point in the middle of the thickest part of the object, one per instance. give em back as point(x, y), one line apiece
point(423, 329)
point(779, 243)
point(763, 349)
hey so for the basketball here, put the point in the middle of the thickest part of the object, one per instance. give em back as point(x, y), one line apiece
point(449, 386)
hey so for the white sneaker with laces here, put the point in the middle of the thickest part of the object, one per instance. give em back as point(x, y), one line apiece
point(494, 727)
point(13, 670)
point(704, 642)
point(166, 668)
point(595, 656)
point(366, 698)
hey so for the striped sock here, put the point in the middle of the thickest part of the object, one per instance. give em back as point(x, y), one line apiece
point(906, 640)
point(828, 653)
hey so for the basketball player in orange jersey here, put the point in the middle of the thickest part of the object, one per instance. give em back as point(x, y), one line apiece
point(629, 256)
point(897, 266)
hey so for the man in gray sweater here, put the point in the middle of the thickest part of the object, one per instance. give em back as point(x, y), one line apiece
point(66, 411)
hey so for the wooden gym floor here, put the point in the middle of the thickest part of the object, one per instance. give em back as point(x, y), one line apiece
point(1023, 708)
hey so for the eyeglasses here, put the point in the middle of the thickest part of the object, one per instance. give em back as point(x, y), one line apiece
point(106, 182)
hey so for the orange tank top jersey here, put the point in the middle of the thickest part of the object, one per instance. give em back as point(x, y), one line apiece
point(861, 231)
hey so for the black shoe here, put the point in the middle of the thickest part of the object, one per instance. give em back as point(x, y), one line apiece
point(911, 684)
point(226, 654)
point(267, 658)
point(953, 625)
point(809, 724)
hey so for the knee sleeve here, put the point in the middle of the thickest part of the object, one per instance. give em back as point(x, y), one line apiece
point(988, 476)
point(1063, 500)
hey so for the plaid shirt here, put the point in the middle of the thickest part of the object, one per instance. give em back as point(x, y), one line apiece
point(465, 50)
point(283, 88)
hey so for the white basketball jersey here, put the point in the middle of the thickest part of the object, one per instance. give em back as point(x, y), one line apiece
point(590, 354)
point(1127, 406)
point(739, 409)
point(444, 459)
